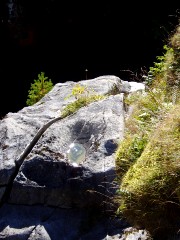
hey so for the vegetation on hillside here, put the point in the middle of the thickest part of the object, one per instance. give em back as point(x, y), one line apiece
point(148, 158)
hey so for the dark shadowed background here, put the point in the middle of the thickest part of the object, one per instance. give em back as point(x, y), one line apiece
point(66, 39)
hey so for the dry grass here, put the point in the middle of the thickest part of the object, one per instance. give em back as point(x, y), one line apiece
point(150, 188)
point(148, 159)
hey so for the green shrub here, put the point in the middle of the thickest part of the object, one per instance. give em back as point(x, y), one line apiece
point(39, 88)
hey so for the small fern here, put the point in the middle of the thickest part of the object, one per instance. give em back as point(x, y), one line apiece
point(161, 66)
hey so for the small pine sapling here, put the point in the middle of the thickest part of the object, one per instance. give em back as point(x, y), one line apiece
point(38, 89)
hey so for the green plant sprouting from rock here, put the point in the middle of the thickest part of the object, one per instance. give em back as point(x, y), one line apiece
point(83, 96)
point(39, 88)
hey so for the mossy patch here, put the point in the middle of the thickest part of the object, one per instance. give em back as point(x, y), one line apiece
point(82, 101)
point(83, 96)
point(150, 187)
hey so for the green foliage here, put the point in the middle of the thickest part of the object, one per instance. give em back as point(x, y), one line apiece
point(147, 110)
point(83, 96)
point(39, 88)
point(147, 160)
point(150, 192)
point(128, 152)
point(78, 91)
point(162, 66)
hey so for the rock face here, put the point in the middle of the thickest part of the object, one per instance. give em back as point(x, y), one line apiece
point(46, 177)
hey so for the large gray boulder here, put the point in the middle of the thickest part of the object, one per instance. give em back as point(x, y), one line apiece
point(45, 176)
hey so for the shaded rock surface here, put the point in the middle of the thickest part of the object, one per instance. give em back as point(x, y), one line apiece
point(47, 181)
point(40, 222)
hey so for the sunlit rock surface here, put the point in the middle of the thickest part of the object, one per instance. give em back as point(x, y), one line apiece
point(51, 179)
